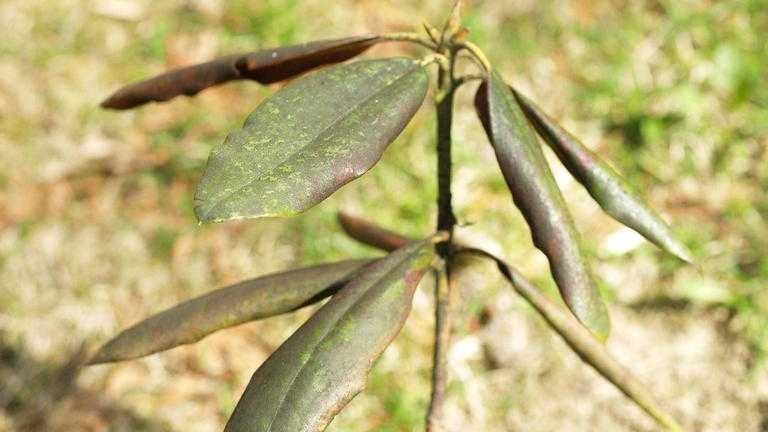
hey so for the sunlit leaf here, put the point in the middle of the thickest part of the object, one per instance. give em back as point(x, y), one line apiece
point(325, 363)
point(310, 138)
point(539, 199)
point(266, 66)
point(584, 344)
point(606, 186)
point(246, 301)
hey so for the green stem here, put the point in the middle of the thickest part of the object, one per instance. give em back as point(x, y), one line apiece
point(582, 341)
point(440, 355)
point(446, 221)
point(477, 53)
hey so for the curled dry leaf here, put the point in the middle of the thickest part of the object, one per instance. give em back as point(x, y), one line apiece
point(605, 185)
point(539, 199)
point(246, 301)
point(309, 139)
point(325, 363)
point(265, 67)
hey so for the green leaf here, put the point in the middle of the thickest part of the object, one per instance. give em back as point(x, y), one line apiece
point(606, 186)
point(266, 66)
point(539, 199)
point(246, 301)
point(309, 139)
point(324, 364)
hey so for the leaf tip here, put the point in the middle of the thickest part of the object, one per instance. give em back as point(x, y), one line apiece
point(602, 334)
point(599, 323)
point(111, 102)
point(209, 212)
point(682, 252)
point(203, 215)
point(98, 358)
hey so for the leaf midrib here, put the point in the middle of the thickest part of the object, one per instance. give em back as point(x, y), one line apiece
point(335, 121)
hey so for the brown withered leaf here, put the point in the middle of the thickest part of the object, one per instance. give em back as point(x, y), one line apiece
point(265, 67)
point(370, 233)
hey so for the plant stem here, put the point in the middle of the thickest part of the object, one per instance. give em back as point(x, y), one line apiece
point(477, 53)
point(445, 217)
point(445, 222)
point(440, 356)
point(582, 342)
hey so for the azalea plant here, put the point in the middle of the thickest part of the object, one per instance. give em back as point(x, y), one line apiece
point(329, 127)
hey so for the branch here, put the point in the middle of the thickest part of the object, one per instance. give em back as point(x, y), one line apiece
point(589, 349)
point(582, 342)
point(440, 355)
point(477, 53)
point(446, 221)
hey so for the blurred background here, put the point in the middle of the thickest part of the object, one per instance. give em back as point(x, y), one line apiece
point(97, 229)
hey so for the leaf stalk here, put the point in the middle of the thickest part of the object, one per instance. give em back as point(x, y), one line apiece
point(477, 53)
point(409, 37)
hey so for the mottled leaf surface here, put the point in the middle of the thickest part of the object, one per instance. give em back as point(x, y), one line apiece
point(324, 364)
point(246, 301)
point(605, 185)
point(309, 139)
point(539, 199)
point(266, 66)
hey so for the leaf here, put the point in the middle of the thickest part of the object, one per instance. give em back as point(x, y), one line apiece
point(371, 234)
point(324, 364)
point(539, 199)
point(265, 67)
point(271, 66)
point(584, 343)
point(309, 139)
point(246, 301)
point(606, 186)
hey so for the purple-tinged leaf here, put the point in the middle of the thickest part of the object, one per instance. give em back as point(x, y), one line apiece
point(371, 234)
point(539, 199)
point(325, 363)
point(309, 139)
point(279, 64)
point(265, 67)
point(249, 300)
point(605, 185)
